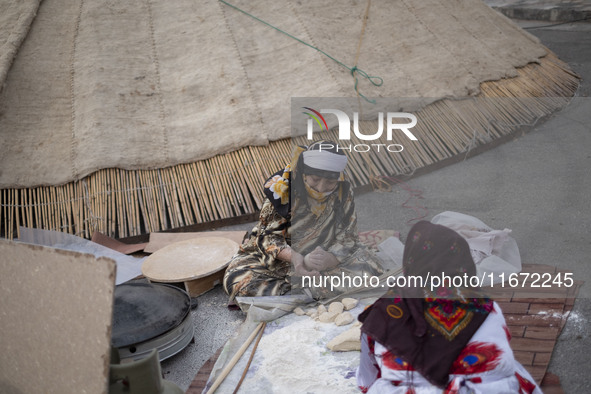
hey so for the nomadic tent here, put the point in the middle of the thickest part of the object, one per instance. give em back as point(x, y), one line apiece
point(145, 115)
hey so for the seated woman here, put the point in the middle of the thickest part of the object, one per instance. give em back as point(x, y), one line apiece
point(446, 341)
point(307, 226)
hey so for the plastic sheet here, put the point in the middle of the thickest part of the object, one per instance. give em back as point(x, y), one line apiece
point(127, 267)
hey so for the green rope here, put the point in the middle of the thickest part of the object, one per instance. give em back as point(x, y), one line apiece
point(355, 71)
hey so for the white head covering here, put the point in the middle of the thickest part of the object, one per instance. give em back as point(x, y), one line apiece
point(325, 155)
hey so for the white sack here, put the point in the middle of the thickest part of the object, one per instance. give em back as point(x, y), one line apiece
point(493, 251)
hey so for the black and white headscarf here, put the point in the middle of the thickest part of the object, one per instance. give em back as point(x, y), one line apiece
point(322, 158)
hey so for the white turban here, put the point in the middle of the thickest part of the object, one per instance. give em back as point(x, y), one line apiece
point(325, 160)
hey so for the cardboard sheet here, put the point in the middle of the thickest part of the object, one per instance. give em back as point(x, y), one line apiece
point(55, 320)
point(116, 245)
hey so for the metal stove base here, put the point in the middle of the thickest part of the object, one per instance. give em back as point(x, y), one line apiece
point(168, 344)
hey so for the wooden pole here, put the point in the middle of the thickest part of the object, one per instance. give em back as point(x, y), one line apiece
point(228, 368)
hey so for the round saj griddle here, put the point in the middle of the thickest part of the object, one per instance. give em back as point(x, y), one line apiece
point(148, 316)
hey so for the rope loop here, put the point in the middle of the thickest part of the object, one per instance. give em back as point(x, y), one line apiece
point(357, 71)
point(375, 80)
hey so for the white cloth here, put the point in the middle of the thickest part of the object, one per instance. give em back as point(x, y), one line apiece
point(494, 251)
point(324, 160)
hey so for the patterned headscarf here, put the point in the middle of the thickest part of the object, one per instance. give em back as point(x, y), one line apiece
point(428, 332)
point(321, 158)
point(432, 249)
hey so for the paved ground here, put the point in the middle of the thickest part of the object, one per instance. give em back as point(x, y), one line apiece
point(538, 185)
point(543, 10)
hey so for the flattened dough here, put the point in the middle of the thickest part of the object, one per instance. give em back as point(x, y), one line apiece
point(347, 341)
point(188, 260)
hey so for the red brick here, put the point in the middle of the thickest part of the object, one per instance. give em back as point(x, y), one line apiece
point(525, 358)
point(552, 292)
point(551, 379)
point(542, 358)
point(532, 345)
point(536, 371)
point(551, 384)
point(548, 333)
point(498, 293)
point(516, 331)
point(532, 298)
point(533, 320)
point(539, 292)
point(570, 301)
point(514, 307)
point(541, 268)
point(546, 309)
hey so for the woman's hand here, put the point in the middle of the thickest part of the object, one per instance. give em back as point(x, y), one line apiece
point(320, 260)
point(300, 268)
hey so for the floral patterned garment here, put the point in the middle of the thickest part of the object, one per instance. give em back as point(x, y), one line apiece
point(255, 269)
point(485, 365)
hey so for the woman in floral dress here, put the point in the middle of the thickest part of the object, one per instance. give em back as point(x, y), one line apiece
point(445, 341)
point(307, 227)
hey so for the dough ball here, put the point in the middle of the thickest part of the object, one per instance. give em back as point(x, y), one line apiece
point(327, 317)
point(349, 303)
point(343, 319)
point(299, 311)
point(335, 307)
